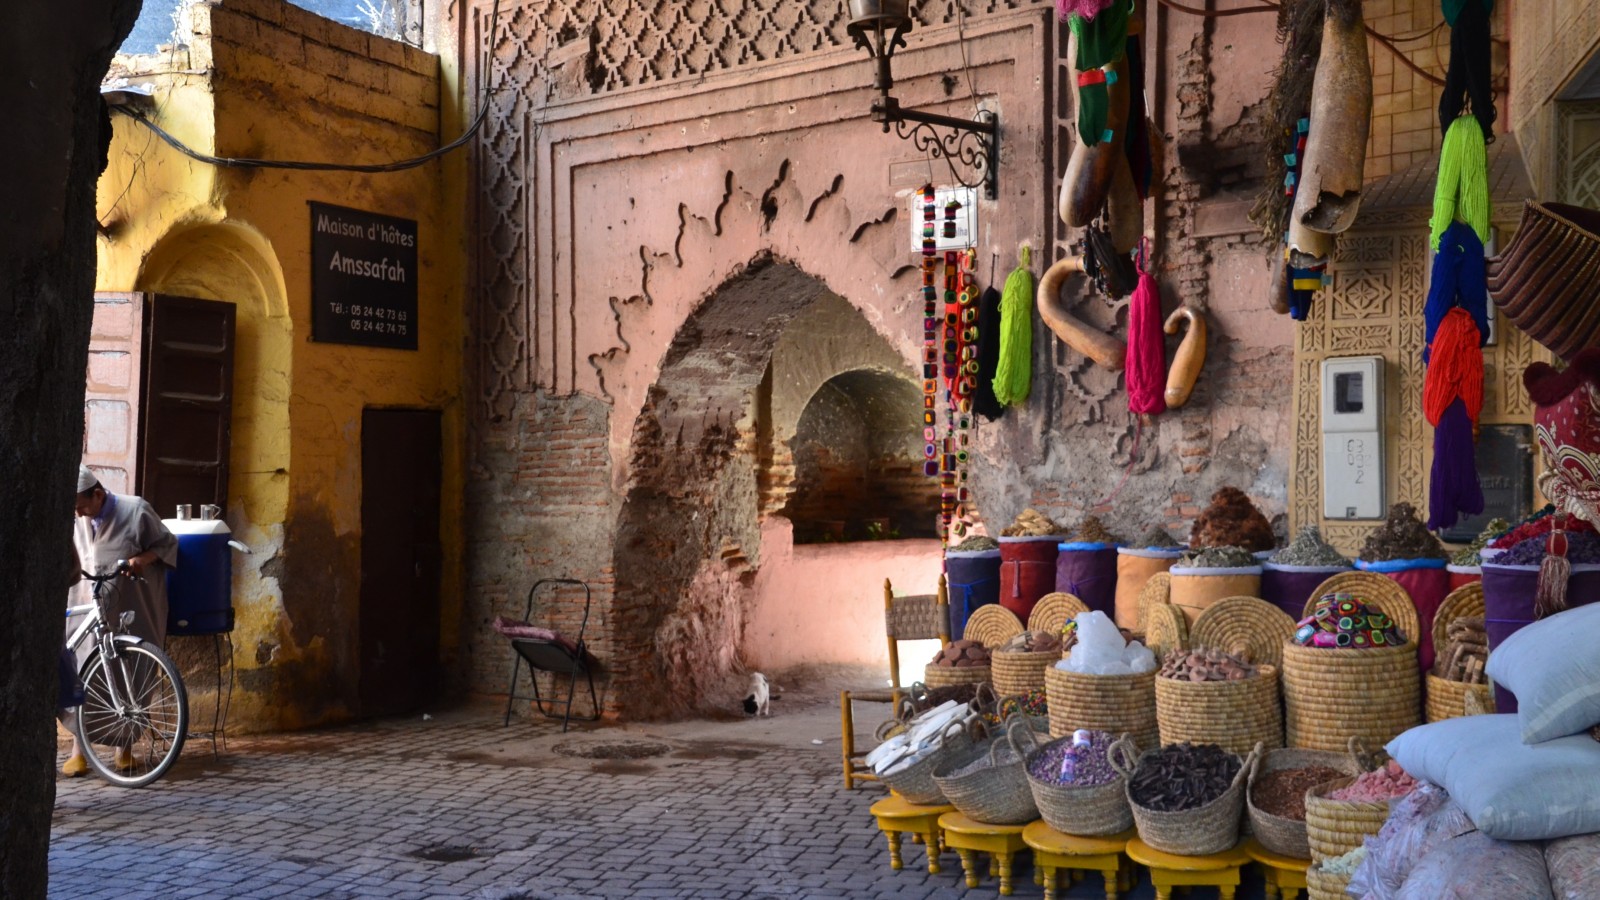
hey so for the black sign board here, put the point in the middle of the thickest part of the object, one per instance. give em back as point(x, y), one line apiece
point(363, 278)
point(1505, 470)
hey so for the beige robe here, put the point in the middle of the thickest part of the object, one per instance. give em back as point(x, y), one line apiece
point(130, 528)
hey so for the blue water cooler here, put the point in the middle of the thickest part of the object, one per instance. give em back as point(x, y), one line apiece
point(200, 589)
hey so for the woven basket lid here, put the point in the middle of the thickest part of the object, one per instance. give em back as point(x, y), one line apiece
point(1053, 611)
point(1376, 591)
point(1245, 626)
point(1466, 600)
point(992, 625)
point(1165, 629)
point(1157, 589)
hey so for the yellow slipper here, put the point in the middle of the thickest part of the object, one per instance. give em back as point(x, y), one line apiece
point(74, 766)
point(124, 759)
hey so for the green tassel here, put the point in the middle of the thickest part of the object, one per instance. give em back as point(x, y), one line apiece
point(1100, 41)
point(1013, 374)
point(1462, 191)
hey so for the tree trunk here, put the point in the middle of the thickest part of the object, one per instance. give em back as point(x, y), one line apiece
point(53, 54)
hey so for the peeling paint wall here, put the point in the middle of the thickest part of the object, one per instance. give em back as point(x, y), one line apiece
point(281, 83)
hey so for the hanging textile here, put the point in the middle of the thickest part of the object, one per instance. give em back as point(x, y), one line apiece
point(1146, 369)
point(984, 402)
point(1088, 9)
point(1137, 143)
point(1462, 191)
point(1453, 488)
point(1456, 369)
point(1101, 42)
point(1014, 372)
point(1458, 280)
point(1467, 78)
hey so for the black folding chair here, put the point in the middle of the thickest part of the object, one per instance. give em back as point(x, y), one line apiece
point(558, 659)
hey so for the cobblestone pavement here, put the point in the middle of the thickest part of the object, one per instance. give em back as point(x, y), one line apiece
point(458, 806)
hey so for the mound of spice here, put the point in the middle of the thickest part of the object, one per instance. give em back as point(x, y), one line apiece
point(1582, 547)
point(1282, 792)
point(976, 543)
point(1182, 776)
point(1032, 523)
point(1537, 525)
point(962, 655)
point(1468, 555)
point(1093, 531)
point(1156, 538)
point(1232, 521)
point(1218, 558)
point(1079, 760)
point(1033, 642)
point(1309, 549)
point(1401, 536)
point(1341, 622)
point(1199, 665)
point(1381, 784)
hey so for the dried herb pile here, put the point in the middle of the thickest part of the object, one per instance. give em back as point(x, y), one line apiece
point(1401, 536)
point(1309, 549)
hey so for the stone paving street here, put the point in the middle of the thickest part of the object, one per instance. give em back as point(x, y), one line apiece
point(458, 806)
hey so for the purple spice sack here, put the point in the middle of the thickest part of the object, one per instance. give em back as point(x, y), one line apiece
point(1089, 575)
point(1508, 605)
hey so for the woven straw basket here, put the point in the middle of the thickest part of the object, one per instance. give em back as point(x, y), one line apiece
point(1448, 699)
point(1165, 629)
point(946, 676)
point(1016, 672)
point(1158, 589)
point(997, 794)
point(1281, 835)
point(1094, 811)
point(1247, 627)
point(1322, 886)
point(915, 782)
point(1201, 831)
point(992, 625)
point(1236, 715)
point(1335, 827)
point(1331, 695)
point(1053, 611)
point(1115, 703)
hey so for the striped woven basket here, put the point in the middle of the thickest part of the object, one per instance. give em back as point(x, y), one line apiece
point(1236, 715)
point(1284, 836)
point(1448, 699)
point(1018, 672)
point(1335, 827)
point(1322, 886)
point(947, 676)
point(1120, 704)
point(1332, 695)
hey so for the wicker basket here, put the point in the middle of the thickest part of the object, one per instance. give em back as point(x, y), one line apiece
point(1120, 704)
point(1331, 695)
point(944, 676)
point(992, 625)
point(915, 782)
point(1236, 715)
point(1018, 672)
point(1094, 811)
point(1195, 590)
point(1212, 828)
point(1158, 589)
point(997, 794)
point(1281, 835)
point(1165, 629)
point(1448, 699)
point(1375, 591)
point(1322, 886)
point(1335, 827)
point(1053, 611)
point(1247, 627)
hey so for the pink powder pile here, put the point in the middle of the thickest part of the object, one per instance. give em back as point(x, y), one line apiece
point(1386, 783)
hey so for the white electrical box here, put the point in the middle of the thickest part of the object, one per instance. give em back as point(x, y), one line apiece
point(1352, 438)
point(966, 219)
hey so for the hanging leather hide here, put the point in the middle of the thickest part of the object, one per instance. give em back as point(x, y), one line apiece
point(1329, 194)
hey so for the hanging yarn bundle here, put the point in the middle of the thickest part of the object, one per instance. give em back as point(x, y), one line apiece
point(1101, 41)
point(1455, 369)
point(984, 402)
point(1453, 487)
point(1147, 348)
point(1462, 191)
point(1014, 372)
point(1458, 280)
point(1467, 79)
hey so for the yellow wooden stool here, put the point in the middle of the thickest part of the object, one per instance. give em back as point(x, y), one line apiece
point(1054, 851)
point(967, 838)
point(1286, 876)
point(1167, 870)
point(897, 815)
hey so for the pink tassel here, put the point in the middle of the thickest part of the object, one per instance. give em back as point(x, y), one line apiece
point(1146, 368)
point(1550, 597)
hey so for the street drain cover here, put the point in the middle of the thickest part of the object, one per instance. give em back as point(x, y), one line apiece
point(612, 749)
point(445, 853)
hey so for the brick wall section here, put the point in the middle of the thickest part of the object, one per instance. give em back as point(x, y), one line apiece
point(345, 70)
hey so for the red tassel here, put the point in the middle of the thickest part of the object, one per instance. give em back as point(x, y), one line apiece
point(1146, 369)
point(1455, 368)
point(1550, 597)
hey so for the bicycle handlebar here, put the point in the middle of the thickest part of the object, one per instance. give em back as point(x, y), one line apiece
point(120, 568)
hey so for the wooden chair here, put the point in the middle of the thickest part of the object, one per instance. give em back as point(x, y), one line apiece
point(921, 617)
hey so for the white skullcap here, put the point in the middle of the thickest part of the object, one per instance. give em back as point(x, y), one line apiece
point(86, 478)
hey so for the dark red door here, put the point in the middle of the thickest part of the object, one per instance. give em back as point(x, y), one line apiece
point(400, 553)
point(184, 434)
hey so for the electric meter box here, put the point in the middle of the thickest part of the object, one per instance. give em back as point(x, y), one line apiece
point(1352, 438)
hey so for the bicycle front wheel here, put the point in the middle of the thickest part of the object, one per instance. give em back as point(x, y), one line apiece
point(135, 713)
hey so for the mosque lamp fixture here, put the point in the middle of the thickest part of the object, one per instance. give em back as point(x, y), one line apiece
point(879, 26)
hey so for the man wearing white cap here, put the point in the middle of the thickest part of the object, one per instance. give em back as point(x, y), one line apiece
point(110, 527)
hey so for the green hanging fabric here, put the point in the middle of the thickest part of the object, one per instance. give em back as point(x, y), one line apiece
point(1462, 191)
point(1101, 41)
point(1452, 8)
point(1014, 372)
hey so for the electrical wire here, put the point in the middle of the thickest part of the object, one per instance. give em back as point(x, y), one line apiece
point(229, 162)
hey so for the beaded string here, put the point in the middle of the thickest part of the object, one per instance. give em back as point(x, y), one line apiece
point(930, 338)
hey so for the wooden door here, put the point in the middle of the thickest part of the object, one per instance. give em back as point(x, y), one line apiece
point(185, 431)
point(111, 396)
point(400, 556)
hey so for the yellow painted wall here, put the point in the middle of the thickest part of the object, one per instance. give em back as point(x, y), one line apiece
point(285, 84)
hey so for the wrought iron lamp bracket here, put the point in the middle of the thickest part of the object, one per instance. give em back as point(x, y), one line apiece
point(974, 143)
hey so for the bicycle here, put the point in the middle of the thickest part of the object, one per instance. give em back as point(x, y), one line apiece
point(134, 703)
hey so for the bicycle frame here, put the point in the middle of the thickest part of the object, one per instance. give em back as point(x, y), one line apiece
point(104, 637)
